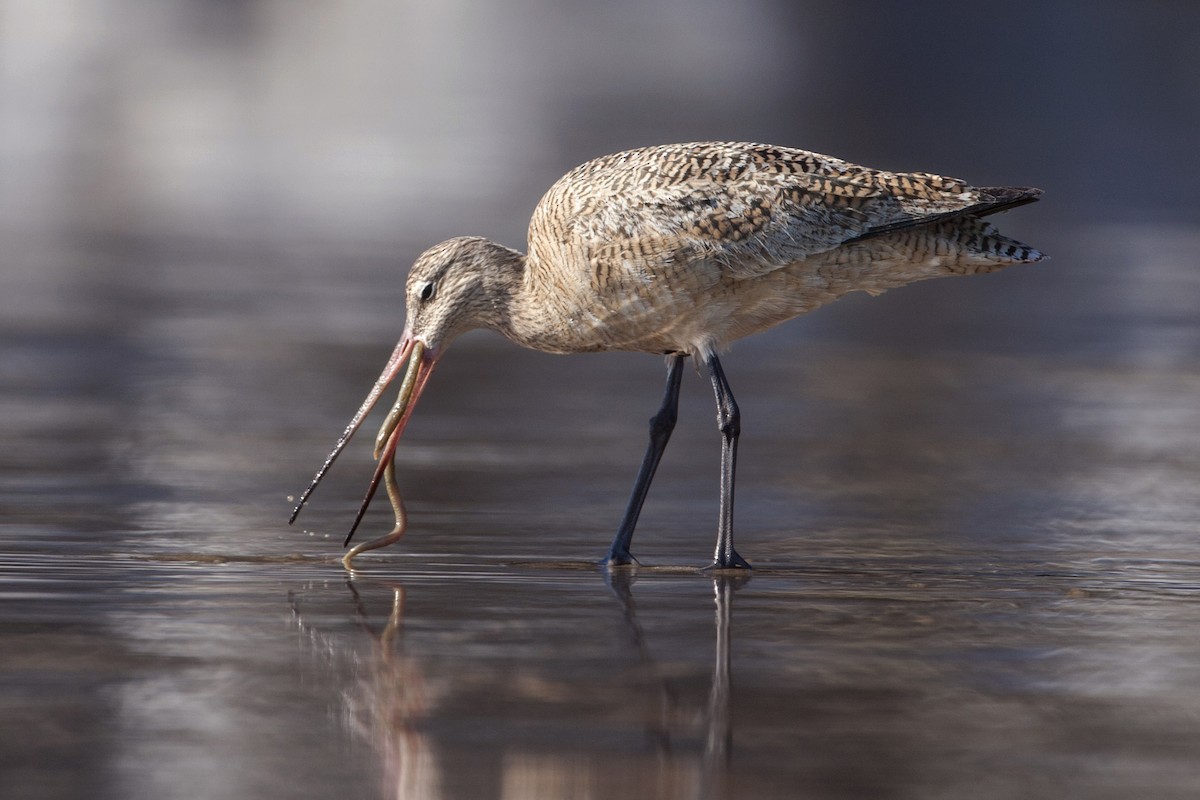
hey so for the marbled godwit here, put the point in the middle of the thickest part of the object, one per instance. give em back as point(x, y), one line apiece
point(679, 250)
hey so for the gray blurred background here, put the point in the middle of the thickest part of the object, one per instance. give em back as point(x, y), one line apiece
point(208, 207)
point(373, 127)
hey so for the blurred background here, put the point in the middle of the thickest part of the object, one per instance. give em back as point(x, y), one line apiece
point(208, 206)
point(207, 210)
point(367, 126)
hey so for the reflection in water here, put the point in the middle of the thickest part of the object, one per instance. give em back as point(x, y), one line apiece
point(657, 725)
point(394, 701)
point(387, 702)
point(718, 721)
point(719, 742)
point(401, 702)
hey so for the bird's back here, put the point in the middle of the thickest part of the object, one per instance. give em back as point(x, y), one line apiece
point(683, 247)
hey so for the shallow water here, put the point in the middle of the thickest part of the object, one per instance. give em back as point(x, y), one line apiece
point(478, 677)
point(976, 568)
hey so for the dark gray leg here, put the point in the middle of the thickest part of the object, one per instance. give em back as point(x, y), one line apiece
point(729, 421)
point(661, 425)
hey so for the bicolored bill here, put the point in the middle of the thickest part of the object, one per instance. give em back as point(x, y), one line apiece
point(421, 362)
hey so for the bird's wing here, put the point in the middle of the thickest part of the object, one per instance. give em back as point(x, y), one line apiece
point(750, 208)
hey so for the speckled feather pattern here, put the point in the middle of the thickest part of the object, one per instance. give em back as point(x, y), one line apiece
point(688, 247)
point(682, 249)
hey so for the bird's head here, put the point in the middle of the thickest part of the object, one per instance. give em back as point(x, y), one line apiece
point(457, 286)
point(453, 287)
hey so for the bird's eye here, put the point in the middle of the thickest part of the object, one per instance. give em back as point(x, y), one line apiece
point(426, 291)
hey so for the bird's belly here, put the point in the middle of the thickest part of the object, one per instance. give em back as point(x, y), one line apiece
point(667, 321)
point(705, 307)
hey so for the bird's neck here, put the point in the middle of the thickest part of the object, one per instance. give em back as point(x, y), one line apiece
point(502, 288)
point(520, 307)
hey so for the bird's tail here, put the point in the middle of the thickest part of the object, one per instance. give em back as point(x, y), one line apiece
point(972, 245)
point(958, 245)
point(1002, 198)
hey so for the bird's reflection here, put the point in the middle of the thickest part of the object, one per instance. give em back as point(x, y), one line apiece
point(395, 698)
point(718, 745)
point(718, 721)
point(398, 697)
point(658, 726)
point(385, 696)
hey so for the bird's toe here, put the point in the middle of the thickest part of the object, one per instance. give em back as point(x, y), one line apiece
point(619, 558)
point(732, 561)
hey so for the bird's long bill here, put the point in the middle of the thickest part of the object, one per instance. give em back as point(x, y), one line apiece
point(420, 364)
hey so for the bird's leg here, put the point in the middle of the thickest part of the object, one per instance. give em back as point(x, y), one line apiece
point(729, 422)
point(661, 425)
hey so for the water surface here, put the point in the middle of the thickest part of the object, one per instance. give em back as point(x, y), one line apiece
point(976, 569)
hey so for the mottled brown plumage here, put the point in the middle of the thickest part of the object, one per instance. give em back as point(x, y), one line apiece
point(682, 249)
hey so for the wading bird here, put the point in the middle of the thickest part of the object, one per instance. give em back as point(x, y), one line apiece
point(679, 250)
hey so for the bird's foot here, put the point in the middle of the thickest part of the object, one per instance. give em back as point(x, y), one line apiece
point(730, 561)
point(619, 558)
